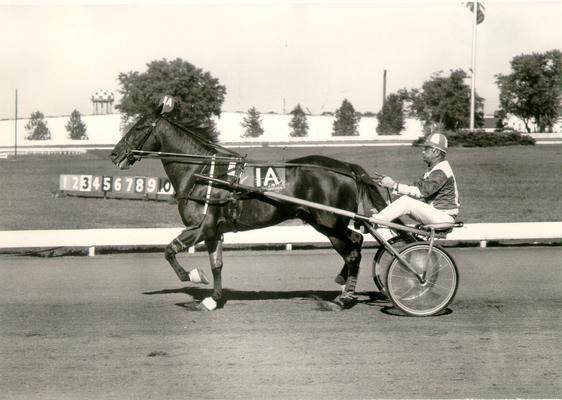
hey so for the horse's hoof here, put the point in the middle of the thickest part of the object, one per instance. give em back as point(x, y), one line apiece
point(345, 301)
point(198, 276)
point(209, 304)
point(340, 280)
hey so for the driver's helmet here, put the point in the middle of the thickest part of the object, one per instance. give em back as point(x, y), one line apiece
point(437, 141)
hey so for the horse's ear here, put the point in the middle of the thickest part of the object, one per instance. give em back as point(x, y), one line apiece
point(166, 104)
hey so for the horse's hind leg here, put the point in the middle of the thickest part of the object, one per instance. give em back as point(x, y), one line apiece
point(185, 240)
point(341, 278)
point(350, 250)
point(356, 240)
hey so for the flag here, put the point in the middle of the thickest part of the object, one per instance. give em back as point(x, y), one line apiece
point(480, 12)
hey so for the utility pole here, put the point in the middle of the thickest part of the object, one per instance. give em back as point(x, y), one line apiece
point(473, 72)
point(383, 87)
point(16, 129)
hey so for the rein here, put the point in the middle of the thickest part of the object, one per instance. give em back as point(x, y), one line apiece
point(198, 159)
point(185, 158)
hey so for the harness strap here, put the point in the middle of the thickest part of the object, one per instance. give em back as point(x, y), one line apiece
point(210, 185)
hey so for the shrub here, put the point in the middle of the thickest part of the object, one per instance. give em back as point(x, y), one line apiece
point(391, 117)
point(37, 127)
point(298, 124)
point(480, 138)
point(346, 120)
point(75, 127)
point(252, 124)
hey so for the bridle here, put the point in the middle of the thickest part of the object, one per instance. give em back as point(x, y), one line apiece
point(131, 147)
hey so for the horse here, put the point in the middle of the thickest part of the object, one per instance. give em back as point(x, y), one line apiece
point(208, 211)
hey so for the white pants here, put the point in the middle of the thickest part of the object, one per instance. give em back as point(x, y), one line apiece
point(416, 209)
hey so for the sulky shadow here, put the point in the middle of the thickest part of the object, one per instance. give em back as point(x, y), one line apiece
point(398, 313)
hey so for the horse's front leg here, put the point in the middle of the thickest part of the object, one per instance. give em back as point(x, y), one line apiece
point(184, 241)
point(214, 247)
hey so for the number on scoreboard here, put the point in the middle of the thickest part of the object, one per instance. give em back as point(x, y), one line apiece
point(85, 183)
point(106, 182)
point(165, 186)
point(152, 185)
point(65, 183)
point(96, 183)
point(117, 184)
point(140, 184)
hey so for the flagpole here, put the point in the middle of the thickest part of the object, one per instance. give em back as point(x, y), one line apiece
point(16, 129)
point(472, 80)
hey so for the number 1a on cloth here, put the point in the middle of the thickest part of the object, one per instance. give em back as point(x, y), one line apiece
point(269, 178)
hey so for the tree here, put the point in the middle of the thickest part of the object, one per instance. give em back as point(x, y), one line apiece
point(501, 117)
point(346, 120)
point(37, 127)
point(75, 127)
point(252, 124)
point(391, 116)
point(532, 91)
point(444, 102)
point(198, 95)
point(298, 124)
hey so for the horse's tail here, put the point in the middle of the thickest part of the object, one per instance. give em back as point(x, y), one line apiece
point(370, 197)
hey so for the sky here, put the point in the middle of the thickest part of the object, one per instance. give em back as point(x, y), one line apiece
point(270, 55)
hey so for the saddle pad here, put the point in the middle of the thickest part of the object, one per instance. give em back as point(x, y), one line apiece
point(264, 177)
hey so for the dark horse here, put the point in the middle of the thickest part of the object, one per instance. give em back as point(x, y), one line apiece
point(208, 211)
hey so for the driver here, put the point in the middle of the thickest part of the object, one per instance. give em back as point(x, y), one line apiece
point(432, 199)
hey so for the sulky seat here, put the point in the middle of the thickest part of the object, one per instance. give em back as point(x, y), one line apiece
point(441, 229)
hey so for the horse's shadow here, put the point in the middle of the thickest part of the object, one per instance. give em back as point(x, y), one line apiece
point(323, 299)
point(327, 296)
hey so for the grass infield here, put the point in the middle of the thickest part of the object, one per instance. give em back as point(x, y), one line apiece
point(497, 184)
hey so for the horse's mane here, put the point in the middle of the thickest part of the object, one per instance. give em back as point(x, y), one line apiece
point(201, 135)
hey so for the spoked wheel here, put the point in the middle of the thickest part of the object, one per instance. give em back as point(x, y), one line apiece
point(383, 259)
point(437, 289)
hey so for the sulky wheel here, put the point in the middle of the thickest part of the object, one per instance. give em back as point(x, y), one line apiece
point(437, 289)
point(382, 261)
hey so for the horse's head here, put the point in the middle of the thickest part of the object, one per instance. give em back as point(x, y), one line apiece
point(139, 136)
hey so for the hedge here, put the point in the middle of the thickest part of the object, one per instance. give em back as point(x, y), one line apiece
point(481, 138)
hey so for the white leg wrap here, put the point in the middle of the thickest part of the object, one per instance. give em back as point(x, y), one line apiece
point(197, 276)
point(209, 303)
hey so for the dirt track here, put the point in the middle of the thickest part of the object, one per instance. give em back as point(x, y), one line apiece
point(124, 327)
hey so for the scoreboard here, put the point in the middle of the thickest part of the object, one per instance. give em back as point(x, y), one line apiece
point(141, 187)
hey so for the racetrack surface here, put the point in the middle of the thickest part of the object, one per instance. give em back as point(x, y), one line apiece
point(124, 327)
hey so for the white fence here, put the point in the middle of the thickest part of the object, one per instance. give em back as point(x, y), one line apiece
point(105, 130)
point(278, 235)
